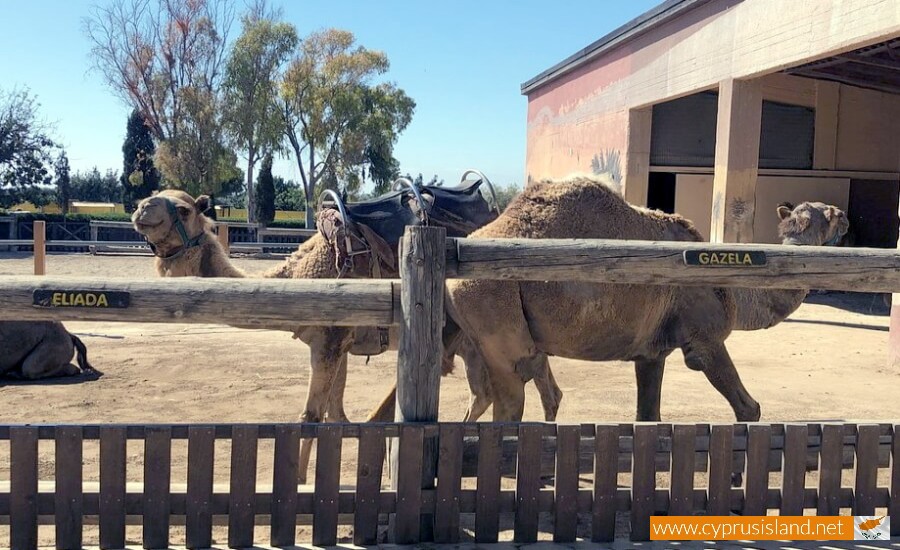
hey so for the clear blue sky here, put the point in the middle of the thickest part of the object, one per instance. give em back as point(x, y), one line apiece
point(462, 61)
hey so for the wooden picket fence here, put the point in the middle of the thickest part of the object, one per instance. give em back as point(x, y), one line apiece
point(598, 474)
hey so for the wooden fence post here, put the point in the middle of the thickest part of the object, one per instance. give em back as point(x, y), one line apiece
point(422, 271)
point(222, 235)
point(40, 248)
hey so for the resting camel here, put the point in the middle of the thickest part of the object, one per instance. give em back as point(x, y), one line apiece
point(41, 349)
point(184, 244)
point(516, 325)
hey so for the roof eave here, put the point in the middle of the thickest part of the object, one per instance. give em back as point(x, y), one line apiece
point(659, 15)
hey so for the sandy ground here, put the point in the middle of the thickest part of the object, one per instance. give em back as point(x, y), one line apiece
point(827, 362)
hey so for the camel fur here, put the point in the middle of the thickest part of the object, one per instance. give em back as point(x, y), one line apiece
point(41, 349)
point(518, 324)
point(329, 346)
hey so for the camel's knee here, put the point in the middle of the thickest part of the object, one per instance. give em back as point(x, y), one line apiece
point(478, 405)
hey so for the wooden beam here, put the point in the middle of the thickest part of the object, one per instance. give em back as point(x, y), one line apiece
point(422, 270)
point(248, 303)
point(826, 125)
point(888, 64)
point(662, 263)
point(637, 155)
point(852, 81)
point(737, 160)
point(40, 247)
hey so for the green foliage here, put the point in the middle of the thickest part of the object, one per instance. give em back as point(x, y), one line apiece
point(92, 186)
point(140, 178)
point(197, 161)
point(265, 193)
point(341, 127)
point(420, 180)
point(288, 195)
point(505, 194)
point(26, 149)
point(251, 117)
point(63, 182)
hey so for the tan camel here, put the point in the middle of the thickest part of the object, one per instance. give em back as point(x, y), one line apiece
point(189, 248)
point(517, 324)
point(41, 349)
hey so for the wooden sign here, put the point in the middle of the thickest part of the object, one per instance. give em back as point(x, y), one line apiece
point(725, 258)
point(97, 299)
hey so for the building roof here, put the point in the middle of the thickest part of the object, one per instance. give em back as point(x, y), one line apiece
point(659, 15)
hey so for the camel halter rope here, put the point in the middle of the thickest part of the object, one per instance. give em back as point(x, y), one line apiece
point(186, 242)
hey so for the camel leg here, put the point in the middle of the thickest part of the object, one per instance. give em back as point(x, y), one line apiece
point(335, 409)
point(716, 364)
point(649, 373)
point(328, 348)
point(549, 391)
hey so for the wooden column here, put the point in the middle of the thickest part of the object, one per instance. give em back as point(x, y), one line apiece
point(422, 271)
point(894, 334)
point(826, 125)
point(40, 248)
point(222, 235)
point(637, 155)
point(737, 161)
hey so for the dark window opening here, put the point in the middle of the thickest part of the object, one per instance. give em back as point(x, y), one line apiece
point(661, 192)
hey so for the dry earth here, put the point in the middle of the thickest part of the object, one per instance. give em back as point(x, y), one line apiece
point(827, 362)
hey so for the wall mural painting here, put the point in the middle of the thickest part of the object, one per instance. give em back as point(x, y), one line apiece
point(609, 162)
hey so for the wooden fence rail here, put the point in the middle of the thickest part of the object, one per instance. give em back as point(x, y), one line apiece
point(255, 303)
point(598, 506)
point(664, 263)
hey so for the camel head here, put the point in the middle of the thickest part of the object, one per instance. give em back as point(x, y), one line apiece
point(811, 224)
point(172, 221)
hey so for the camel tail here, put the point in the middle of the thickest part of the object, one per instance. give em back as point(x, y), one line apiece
point(385, 410)
point(81, 351)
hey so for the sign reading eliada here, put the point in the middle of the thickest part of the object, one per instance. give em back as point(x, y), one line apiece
point(102, 299)
point(725, 258)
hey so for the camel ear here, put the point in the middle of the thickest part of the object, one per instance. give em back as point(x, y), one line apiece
point(202, 203)
point(783, 212)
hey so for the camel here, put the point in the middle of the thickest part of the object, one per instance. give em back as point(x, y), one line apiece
point(516, 325)
point(41, 349)
point(184, 244)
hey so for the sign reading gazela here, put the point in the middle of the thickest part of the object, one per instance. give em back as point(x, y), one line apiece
point(81, 298)
point(725, 258)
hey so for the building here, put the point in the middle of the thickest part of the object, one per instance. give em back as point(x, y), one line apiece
point(721, 109)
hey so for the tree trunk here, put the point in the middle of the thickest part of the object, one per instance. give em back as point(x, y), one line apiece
point(251, 198)
point(310, 207)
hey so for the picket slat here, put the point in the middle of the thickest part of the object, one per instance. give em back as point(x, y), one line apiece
point(242, 493)
point(568, 440)
point(327, 489)
point(113, 447)
point(866, 470)
point(528, 483)
point(830, 470)
point(487, 515)
point(285, 477)
point(794, 470)
point(368, 485)
point(643, 480)
point(201, 460)
point(69, 499)
point(894, 508)
point(157, 478)
point(759, 440)
point(606, 469)
point(409, 485)
point(450, 458)
point(720, 458)
point(23, 471)
point(681, 501)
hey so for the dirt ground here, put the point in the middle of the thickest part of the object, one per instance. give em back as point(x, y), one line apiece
point(827, 362)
